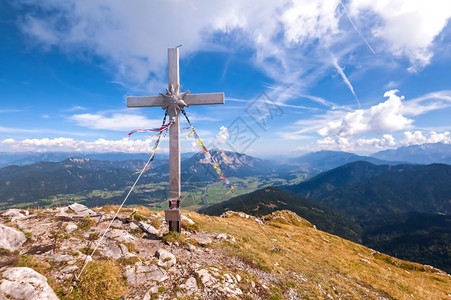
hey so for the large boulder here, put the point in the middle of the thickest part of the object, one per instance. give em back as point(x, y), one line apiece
point(10, 238)
point(82, 211)
point(25, 283)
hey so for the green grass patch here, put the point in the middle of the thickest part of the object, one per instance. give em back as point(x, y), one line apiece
point(173, 236)
point(101, 280)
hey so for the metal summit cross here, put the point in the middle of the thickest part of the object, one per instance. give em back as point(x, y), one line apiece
point(173, 101)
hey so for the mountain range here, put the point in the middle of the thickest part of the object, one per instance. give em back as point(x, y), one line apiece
point(402, 209)
point(325, 160)
point(363, 189)
point(36, 183)
point(418, 154)
point(232, 164)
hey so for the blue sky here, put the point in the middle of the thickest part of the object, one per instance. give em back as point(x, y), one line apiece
point(299, 76)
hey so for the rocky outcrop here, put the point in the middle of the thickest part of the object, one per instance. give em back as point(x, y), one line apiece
point(203, 240)
point(25, 283)
point(212, 277)
point(64, 238)
point(10, 238)
point(120, 235)
point(190, 286)
point(15, 214)
point(202, 262)
point(165, 258)
point(81, 211)
point(140, 273)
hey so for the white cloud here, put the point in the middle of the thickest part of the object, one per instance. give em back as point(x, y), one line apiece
point(44, 32)
point(391, 115)
point(320, 100)
point(223, 135)
point(417, 138)
point(385, 116)
point(75, 108)
point(369, 145)
point(345, 78)
point(69, 144)
point(414, 138)
point(10, 130)
point(426, 103)
point(117, 121)
point(407, 27)
point(435, 137)
point(194, 147)
point(296, 136)
point(307, 20)
point(2, 111)
point(386, 141)
point(287, 35)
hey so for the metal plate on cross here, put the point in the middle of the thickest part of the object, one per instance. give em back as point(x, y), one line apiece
point(173, 214)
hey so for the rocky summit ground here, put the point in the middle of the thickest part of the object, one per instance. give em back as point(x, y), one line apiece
point(235, 256)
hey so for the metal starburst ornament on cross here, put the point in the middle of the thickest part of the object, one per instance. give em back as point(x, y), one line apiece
point(173, 100)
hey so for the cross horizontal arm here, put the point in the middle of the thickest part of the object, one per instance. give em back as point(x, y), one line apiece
point(145, 101)
point(204, 99)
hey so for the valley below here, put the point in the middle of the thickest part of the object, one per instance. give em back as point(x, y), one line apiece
point(397, 208)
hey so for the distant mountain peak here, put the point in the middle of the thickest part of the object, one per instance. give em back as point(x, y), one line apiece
point(419, 154)
point(233, 160)
point(79, 160)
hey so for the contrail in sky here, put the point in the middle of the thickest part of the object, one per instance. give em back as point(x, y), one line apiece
point(345, 79)
point(355, 27)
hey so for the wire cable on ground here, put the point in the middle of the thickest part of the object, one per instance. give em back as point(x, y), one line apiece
point(88, 258)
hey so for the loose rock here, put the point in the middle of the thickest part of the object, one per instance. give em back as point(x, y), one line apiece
point(82, 211)
point(222, 236)
point(148, 228)
point(190, 286)
point(139, 274)
point(203, 240)
point(188, 220)
point(71, 227)
point(113, 250)
point(25, 283)
point(10, 238)
point(165, 258)
point(121, 236)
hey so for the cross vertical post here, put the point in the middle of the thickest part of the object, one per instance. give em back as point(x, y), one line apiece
point(173, 213)
point(174, 101)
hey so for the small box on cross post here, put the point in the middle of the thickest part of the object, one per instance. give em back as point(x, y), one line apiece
point(173, 216)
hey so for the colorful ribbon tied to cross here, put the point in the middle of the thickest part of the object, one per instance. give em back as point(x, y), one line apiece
point(150, 129)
